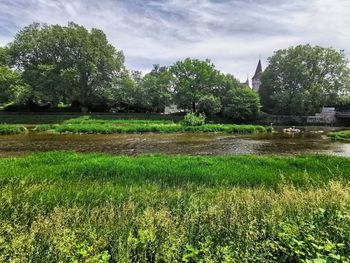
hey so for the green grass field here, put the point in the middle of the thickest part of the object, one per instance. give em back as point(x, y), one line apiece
point(68, 207)
point(87, 125)
point(11, 129)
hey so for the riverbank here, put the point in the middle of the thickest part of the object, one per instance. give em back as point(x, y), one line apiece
point(87, 125)
point(62, 206)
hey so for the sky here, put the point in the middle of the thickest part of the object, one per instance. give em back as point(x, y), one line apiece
point(233, 34)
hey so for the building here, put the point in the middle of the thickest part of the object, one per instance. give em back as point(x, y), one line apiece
point(246, 83)
point(256, 82)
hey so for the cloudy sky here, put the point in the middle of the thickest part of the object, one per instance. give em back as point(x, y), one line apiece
point(232, 33)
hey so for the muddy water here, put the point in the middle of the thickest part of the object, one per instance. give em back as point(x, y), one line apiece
point(185, 143)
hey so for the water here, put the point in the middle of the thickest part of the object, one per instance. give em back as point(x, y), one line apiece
point(180, 143)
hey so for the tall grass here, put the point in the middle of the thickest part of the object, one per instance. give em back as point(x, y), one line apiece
point(87, 125)
point(66, 207)
point(340, 135)
point(11, 129)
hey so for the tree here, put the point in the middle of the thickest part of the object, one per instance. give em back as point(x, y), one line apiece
point(70, 61)
point(3, 56)
point(157, 86)
point(193, 79)
point(11, 85)
point(241, 104)
point(126, 92)
point(209, 105)
point(299, 80)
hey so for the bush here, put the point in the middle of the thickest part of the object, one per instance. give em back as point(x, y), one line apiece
point(191, 119)
point(209, 105)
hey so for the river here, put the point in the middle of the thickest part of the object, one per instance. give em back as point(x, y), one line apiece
point(311, 140)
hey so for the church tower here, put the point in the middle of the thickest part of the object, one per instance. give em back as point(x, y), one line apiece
point(256, 79)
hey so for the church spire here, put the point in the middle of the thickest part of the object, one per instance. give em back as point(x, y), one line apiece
point(258, 70)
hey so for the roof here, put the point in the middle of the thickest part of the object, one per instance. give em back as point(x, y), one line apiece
point(258, 70)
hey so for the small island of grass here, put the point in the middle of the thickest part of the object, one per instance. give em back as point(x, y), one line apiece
point(94, 126)
point(6, 129)
point(340, 135)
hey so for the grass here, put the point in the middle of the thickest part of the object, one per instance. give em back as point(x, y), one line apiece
point(340, 135)
point(11, 129)
point(63, 207)
point(86, 125)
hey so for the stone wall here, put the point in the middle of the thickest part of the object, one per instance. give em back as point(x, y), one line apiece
point(326, 116)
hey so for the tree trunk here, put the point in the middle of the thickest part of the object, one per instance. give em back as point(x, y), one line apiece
point(193, 106)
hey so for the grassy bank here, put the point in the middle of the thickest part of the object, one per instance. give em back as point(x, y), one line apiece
point(11, 129)
point(72, 207)
point(340, 135)
point(88, 125)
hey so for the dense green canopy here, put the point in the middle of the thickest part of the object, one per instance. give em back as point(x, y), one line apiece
point(65, 63)
point(299, 80)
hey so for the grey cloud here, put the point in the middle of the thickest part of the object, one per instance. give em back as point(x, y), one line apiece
point(232, 33)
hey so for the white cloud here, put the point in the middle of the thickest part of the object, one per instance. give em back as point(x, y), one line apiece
point(232, 33)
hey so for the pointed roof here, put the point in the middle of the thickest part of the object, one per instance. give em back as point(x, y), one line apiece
point(258, 70)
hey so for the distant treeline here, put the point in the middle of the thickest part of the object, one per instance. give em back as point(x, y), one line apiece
point(70, 68)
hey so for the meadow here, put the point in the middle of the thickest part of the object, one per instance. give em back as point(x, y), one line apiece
point(85, 124)
point(69, 207)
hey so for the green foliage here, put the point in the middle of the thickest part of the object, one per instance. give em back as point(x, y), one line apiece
point(65, 63)
point(157, 86)
point(11, 129)
point(209, 105)
point(193, 79)
point(63, 206)
point(340, 135)
point(127, 91)
point(301, 79)
point(4, 56)
point(12, 87)
point(241, 104)
point(191, 119)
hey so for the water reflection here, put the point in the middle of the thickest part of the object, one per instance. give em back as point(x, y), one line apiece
point(186, 143)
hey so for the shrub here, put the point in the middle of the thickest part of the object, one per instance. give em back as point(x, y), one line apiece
point(191, 119)
point(209, 105)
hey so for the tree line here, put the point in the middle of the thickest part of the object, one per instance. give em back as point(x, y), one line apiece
point(71, 67)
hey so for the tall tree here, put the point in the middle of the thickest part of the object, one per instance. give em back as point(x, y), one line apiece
point(65, 61)
point(300, 79)
point(193, 79)
point(238, 101)
point(11, 85)
point(241, 104)
point(127, 92)
point(157, 86)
